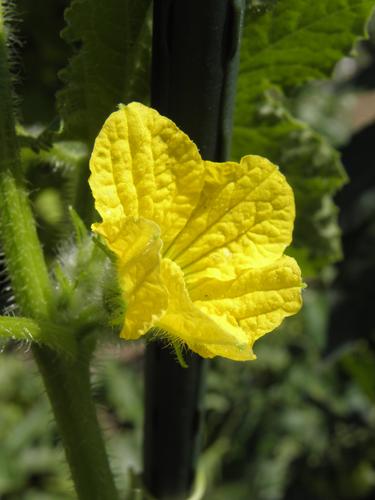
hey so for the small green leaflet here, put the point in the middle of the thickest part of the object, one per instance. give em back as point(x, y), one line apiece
point(45, 333)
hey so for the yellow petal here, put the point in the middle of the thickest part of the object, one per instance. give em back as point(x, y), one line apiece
point(142, 165)
point(230, 352)
point(244, 219)
point(186, 322)
point(137, 244)
point(256, 301)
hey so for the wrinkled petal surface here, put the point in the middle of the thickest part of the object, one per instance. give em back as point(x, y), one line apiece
point(199, 244)
point(256, 301)
point(226, 351)
point(143, 165)
point(187, 322)
point(137, 244)
point(244, 218)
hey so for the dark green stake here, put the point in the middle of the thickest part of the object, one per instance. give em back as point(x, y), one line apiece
point(194, 70)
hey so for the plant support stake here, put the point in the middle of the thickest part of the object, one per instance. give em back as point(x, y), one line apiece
point(194, 69)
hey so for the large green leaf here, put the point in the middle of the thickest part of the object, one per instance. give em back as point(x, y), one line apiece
point(285, 46)
point(294, 42)
point(112, 42)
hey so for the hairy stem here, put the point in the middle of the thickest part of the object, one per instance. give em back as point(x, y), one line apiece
point(20, 243)
point(66, 378)
point(68, 387)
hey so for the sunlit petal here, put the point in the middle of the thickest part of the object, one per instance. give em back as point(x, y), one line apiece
point(187, 322)
point(143, 165)
point(257, 300)
point(244, 219)
point(137, 244)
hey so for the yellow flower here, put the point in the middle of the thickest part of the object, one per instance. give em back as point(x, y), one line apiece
point(199, 244)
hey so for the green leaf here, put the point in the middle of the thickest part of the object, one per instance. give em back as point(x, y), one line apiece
point(110, 66)
point(295, 42)
point(359, 362)
point(285, 46)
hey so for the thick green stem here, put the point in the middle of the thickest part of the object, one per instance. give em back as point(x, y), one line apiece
point(195, 59)
point(24, 258)
point(68, 387)
point(66, 378)
point(20, 243)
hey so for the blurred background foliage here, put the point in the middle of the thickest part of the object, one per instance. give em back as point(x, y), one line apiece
point(300, 421)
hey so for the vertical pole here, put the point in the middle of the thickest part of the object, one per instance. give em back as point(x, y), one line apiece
point(194, 69)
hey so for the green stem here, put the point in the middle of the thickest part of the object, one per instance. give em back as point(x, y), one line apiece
point(68, 387)
point(24, 258)
point(20, 243)
point(195, 59)
point(67, 379)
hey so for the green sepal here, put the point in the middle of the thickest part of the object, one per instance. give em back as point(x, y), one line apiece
point(179, 356)
point(87, 294)
point(79, 226)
